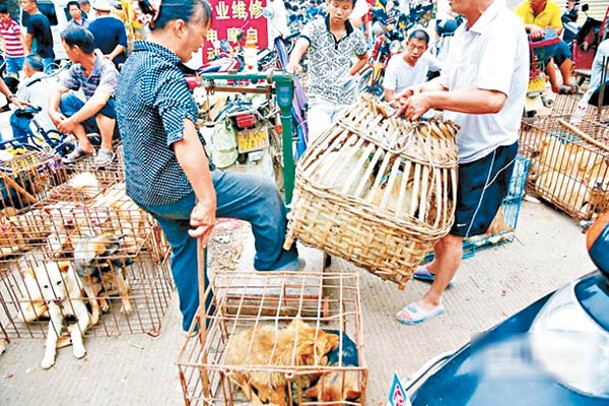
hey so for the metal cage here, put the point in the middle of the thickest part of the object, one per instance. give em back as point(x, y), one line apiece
point(245, 305)
point(569, 165)
point(138, 307)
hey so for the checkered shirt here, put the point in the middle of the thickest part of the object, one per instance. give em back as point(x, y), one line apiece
point(331, 60)
point(103, 78)
point(153, 100)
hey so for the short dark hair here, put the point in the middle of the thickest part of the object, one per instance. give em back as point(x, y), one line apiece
point(3, 9)
point(177, 9)
point(419, 34)
point(35, 62)
point(73, 3)
point(79, 37)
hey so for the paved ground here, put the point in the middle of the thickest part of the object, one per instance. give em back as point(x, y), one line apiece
point(139, 370)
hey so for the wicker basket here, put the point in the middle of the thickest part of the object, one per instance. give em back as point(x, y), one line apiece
point(376, 190)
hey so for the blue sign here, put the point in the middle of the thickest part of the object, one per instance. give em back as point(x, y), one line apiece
point(397, 394)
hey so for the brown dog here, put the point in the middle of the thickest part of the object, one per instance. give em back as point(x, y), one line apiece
point(336, 386)
point(264, 346)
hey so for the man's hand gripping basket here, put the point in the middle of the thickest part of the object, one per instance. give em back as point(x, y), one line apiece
point(377, 190)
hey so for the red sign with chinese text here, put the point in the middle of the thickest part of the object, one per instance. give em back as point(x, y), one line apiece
point(234, 17)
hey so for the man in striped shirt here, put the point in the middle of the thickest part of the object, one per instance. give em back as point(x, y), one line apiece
point(12, 42)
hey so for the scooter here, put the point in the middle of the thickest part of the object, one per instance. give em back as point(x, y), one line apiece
point(535, 98)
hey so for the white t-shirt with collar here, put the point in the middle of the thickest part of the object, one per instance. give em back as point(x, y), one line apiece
point(491, 55)
point(400, 75)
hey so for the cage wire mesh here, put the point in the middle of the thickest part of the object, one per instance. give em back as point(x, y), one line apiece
point(132, 294)
point(569, 166)
point(565, 106)
point(26, 178)
point(255, 339)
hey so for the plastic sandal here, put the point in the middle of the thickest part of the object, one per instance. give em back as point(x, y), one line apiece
point(416, 315)
point(75, 156)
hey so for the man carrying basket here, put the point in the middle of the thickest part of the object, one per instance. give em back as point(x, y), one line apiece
point(483, 91)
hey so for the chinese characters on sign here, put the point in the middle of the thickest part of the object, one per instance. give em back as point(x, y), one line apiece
point(234, 21)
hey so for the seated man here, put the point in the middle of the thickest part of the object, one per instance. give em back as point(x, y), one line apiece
point(35, 89)
point(97, 78)
point(538, 15)
point(409, 68)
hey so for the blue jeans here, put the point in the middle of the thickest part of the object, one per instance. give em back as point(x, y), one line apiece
point(242, 196)
point(48, 65)
point(21, 127)
point(70, 104)
point(14, 64)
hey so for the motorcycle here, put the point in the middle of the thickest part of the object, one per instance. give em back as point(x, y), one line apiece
point(385, 45)
point(586, 41)
point(445, 29)
point(420, 14)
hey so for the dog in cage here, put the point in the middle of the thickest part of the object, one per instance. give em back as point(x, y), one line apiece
point(340, 385)
point(113, 211)
point(298, 344)
point(98, 262)
point(60, 290)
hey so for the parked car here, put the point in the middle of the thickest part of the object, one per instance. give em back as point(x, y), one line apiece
point(554, 352)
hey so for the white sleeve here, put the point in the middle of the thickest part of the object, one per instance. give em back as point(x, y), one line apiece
point(391, 75)
point(497, 62)
point(435, 64)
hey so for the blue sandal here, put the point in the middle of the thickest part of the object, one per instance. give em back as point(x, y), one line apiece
point(423, 274)
point(416, 314)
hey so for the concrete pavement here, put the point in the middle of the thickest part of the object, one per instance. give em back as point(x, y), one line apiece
point(140, 370)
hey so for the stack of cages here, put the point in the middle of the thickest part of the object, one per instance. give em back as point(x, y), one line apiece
point(569, 165)
point(25, 178)
point(283, 338)
point(96, 237)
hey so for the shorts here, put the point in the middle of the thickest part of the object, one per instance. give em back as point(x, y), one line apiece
point(70, 104)
point(14, 65)
point(483, 184)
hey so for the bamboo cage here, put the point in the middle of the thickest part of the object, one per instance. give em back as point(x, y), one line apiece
point(376, 190)
point(569, 164)
point(271, 330)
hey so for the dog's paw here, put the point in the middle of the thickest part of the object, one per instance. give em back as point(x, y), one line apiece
point(47, 362)
point(79, 352)
point(104, 305)
point(126, 308)
point(94, 319)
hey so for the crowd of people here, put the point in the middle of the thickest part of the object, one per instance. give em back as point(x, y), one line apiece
point(481, 87)
point(96, 43)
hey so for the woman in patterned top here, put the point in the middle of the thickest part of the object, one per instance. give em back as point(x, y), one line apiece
point(167, 171)
point(331, 44)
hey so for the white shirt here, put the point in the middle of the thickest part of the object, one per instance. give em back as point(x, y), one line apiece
point(38, 94)
point(491, 55)
point(400, 75)
point(597, 68)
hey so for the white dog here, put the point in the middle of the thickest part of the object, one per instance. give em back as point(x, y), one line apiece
point(61, 291)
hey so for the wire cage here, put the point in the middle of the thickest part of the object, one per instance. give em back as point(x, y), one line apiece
point(503, 227)
point(376, 190)
point(295, 338)
point(27, 177)
point(565, 106)
point(107, 175)
point(569, 165)
point(131, 295)
point(111, 214)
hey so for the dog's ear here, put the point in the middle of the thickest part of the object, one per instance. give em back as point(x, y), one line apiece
point(332, 341)
point(106, 245)
point(63, 266)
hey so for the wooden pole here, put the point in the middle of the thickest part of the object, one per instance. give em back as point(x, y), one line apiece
point(583, 135)
point(10, 181)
